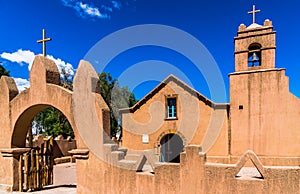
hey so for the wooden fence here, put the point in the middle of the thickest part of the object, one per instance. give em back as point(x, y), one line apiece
point(36, 167)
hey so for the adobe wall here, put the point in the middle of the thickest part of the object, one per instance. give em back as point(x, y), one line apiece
point(193, 175)
point(61, 146)
point(267, 124)
point(8, 91)
point(194, 123)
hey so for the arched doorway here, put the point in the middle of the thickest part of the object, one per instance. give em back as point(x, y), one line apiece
point(171, 147)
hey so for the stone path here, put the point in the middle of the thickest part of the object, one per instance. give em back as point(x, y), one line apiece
point(64, 181)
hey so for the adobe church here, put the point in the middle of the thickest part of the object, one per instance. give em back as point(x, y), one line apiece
point(175, 140)
point(261, 116)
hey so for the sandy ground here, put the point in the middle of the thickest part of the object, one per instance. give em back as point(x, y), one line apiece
point(64, 181)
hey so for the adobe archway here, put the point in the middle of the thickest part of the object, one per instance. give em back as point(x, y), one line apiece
point(44, 92)
point(24, 123)
point(17, 111)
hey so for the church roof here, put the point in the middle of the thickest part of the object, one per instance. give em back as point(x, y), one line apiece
point(179, 82)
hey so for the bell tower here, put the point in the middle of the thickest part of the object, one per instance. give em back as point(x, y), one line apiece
point(255, 46)
point(258, 92)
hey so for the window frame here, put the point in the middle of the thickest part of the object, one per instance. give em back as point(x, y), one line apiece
point(175, 116)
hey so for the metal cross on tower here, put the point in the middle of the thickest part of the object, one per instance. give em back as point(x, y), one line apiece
point(44, 40)
point(253, 13)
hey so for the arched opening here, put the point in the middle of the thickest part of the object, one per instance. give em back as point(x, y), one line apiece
point(254, 55)
point(52, 122)
point(171, 147)
point(41, 129)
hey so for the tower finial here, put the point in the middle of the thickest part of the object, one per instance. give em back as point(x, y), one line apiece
point(253, 12)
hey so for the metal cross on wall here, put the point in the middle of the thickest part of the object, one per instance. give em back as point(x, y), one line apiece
point(253, 13)
point(44, 40)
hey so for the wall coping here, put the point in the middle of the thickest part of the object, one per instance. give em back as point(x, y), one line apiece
point(10, 152)
point(256, 71)
point(80, 153)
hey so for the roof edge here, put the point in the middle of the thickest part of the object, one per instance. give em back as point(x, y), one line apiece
point(162, 84)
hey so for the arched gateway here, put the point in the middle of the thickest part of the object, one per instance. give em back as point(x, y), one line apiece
point(17, 111)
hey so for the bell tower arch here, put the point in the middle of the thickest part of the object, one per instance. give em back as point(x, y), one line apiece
point(255, 47)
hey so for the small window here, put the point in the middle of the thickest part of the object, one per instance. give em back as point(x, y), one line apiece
point(171, 108)
point(254, 55)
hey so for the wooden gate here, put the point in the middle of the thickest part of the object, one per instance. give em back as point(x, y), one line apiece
point(36, 167)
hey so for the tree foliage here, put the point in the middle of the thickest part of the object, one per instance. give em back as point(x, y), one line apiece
point(116, 98)
point(3, 71)
point(66, 79)
point(52, 122)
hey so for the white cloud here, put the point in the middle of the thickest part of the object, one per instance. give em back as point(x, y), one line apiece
point(21, 83)
point(84, 9)
point(21, 56)
point(97, 9)
point(92, 11)
point(26, 57)
point(63, 65)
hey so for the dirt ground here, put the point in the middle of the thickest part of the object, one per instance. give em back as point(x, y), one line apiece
point(64, 181)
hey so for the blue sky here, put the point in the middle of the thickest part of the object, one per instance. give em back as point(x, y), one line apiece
point(75, 26)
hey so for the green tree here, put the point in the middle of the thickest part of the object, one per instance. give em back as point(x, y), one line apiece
point(3, 71)
point(66, 79)
point(116, 98)
point(51, 122)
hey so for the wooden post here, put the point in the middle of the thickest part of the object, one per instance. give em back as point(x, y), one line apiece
point(21, 173)
point(32, 169)
point(41, 166)
point(47, 163)
point(38, 183)
point(45, 152)
point(26, 158)
point(51, 160)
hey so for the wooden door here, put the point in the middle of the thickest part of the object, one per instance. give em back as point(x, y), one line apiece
point(171, 146)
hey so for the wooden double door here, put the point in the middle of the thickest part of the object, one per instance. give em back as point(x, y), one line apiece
point(171, 147)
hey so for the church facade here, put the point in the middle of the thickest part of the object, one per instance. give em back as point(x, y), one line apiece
point(261, 116)
point(172, 116)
